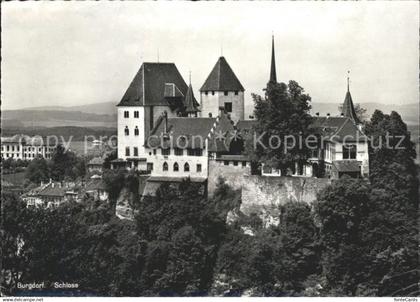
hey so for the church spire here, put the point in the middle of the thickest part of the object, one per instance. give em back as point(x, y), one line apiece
point(273, 76)
point(348, 106)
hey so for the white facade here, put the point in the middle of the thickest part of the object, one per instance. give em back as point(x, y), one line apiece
point(131, 131)
point(21, 148)
point(232, 101)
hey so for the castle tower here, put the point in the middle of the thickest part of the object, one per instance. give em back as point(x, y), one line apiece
point(222, 89)
point(348, 107)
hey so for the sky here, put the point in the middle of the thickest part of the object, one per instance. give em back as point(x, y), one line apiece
point(75, 53)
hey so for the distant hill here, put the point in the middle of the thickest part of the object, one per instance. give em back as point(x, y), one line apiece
point(55, 118)
point(409, 112)
point(96, 108)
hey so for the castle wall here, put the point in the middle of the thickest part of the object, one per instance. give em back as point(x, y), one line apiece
point(210, 104)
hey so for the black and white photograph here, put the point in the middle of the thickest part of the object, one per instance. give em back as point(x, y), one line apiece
point(210, 149)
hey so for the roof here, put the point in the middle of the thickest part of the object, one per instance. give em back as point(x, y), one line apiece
point(222, 78)
point(190, 102)
point(246, 124)
point(96, 161)
point(347, 165)
point(95, 184)
point(25, 140)
point(150, 85)
point(175, 179)
point(273, 76)
point(338, 128)
point(348, 108)
point(239, 157)
point(187, 131)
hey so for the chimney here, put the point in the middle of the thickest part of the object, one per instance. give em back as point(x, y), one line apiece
point(317, 114)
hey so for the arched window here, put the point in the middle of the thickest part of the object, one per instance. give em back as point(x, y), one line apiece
point(186, 167)
point(126, 131)
point(165, 166)
point(136, 131)
point(176, 167)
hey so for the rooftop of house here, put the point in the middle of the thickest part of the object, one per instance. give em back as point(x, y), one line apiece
point(96, 161)
point(222, 78)
point(153, 84)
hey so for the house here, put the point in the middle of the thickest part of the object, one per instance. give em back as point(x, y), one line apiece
point(25, 147)
point(51, 194)
point(95, 165)
point(95, 187)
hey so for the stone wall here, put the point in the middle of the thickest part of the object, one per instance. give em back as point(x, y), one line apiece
point(262, 194)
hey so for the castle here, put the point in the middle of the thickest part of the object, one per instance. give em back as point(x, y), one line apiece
point(165, 133)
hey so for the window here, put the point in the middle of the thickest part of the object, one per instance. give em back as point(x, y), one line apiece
point(186, 167)
point(206, 92)
point(127, 151)
point(166, 151)
point(176, 167)
point(154, 151)
point(235, 163)
point(226, 92)
point(13, 148)
point(179, 152)
point(136, 131)
point(228, 107)
point(136, 114)
point(7, 147)
point(149, 166)
point(126, 131)
point(349, 152)
point(165, 166)
point(126, 114)
point(244, 164)
point(212, 93)
point(195, 152)
point(136, 151)
point(226, 162)
point(198, 167)
point(236, 92)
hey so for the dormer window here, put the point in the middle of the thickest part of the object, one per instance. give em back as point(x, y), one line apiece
point(206, 92)
point(226, 92)
point(212, 93)
point(236, 92)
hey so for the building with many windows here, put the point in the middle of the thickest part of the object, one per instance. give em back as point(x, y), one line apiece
point(165, 133)
point(25, 148)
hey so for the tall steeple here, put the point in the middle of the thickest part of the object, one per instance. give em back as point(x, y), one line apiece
point(273, 76)
point(190, 102)
point(348, 107)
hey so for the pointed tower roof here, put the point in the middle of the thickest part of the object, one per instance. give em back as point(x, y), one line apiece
point(273, 75)
point(348, 107)
point(190, 102)
point(222, 78)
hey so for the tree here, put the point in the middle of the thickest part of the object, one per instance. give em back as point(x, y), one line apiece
point(282, 114)
point(38, 170)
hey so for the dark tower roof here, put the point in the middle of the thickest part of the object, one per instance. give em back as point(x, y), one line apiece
point(150, 85)
point(273, 75)
point(348, 107)
point(190, 102)
point(222, 78)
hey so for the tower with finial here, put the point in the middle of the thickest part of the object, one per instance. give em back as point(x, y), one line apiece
point(348, 106)
point(273, 74)
point(190, 102)
point(222, 89)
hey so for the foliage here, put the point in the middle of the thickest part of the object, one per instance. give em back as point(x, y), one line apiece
point(38, 170)
point(282, 114)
